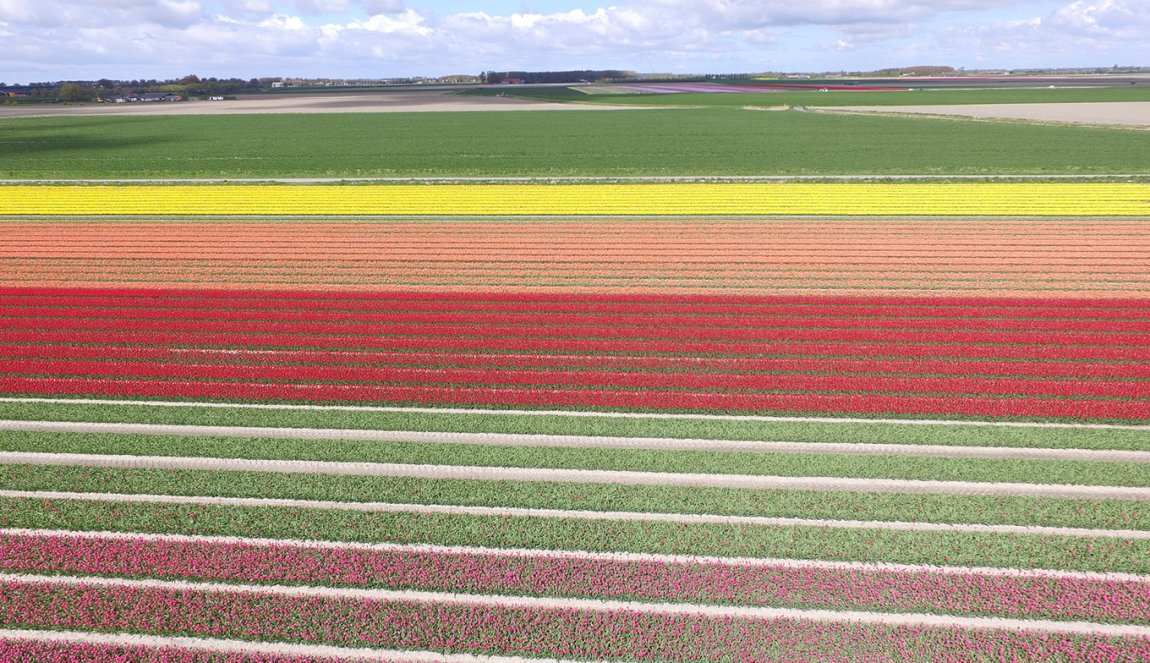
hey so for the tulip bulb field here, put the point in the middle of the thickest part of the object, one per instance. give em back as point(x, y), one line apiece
point(719, 422)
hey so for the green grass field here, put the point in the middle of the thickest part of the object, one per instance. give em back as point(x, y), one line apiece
point(710, 141)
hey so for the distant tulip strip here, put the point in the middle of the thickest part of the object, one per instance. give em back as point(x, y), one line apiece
point(556, 575)
point(509, 630)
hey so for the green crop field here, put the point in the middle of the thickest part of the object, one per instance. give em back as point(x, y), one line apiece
point(714, 141)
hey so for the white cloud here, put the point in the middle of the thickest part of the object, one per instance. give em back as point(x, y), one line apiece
point(319, 7)
point(373, 7)
point(1084, 30)
point(408, 22)
point(751, 14)
point(1119, 19)
point(60, 39)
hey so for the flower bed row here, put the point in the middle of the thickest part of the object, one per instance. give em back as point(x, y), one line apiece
point(584, 345)
point(548, 574)
point(716, 307)
point(1028, 199)
point(852, 321)
point(561, 331)
point(859, 403)
point(508, 629)
point(557, 378)
point(706, 364)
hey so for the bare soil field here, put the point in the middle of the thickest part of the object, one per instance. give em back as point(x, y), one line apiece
point(1126, 113)
point(391, 101)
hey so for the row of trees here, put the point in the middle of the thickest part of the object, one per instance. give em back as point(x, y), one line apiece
point(105, 88)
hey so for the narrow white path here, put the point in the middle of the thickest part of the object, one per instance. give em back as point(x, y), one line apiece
point(499, 601)
point(580, 441)
point(616, 477)
point(501, 512)
point(581, 413)
point(701, 560)
point(223, 646)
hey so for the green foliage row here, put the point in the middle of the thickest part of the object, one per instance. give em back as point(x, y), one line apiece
point(1089, 473)
point(845, 505)
point(687, 141)
point(908, 547)
point(1133, 439)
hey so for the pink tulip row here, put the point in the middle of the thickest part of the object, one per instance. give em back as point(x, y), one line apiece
point(546, 574)
point(540, 329)
point(825, 348)
point(793, 382)
point(536, 631)
point(655, 320)
point(364, 301)
point(616, 362)
point(862, 403)
point(35, 651)
point(305, 297)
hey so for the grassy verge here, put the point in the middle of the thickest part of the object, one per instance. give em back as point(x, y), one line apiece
point(960, 509)
point(680, 428)
point(1090, 473)
point(949, 548)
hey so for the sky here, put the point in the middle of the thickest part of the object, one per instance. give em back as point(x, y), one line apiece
point(53, 40)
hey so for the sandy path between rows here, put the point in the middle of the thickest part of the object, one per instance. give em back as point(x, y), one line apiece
point(500, 601)
point(572, 514)
point(380, 102)
point(1118, 113)
point(580, 441)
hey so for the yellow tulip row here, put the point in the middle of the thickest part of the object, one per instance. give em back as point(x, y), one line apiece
point(688, 199)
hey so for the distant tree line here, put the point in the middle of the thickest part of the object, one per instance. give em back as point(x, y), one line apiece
point(105, 88)
point(575, 76)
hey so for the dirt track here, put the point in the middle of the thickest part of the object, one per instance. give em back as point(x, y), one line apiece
point(378, 102)
point(1134, 114)
point(1127, 113)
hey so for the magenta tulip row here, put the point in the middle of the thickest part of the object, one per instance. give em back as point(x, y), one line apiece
point(882, 348)
point(562, 632)
point(1045, 597)
point(984, 406)
point(877, 305)
point(649, 320)
point(792, 382)
point(683, 364)
point(34, 651)
point(540, 329)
